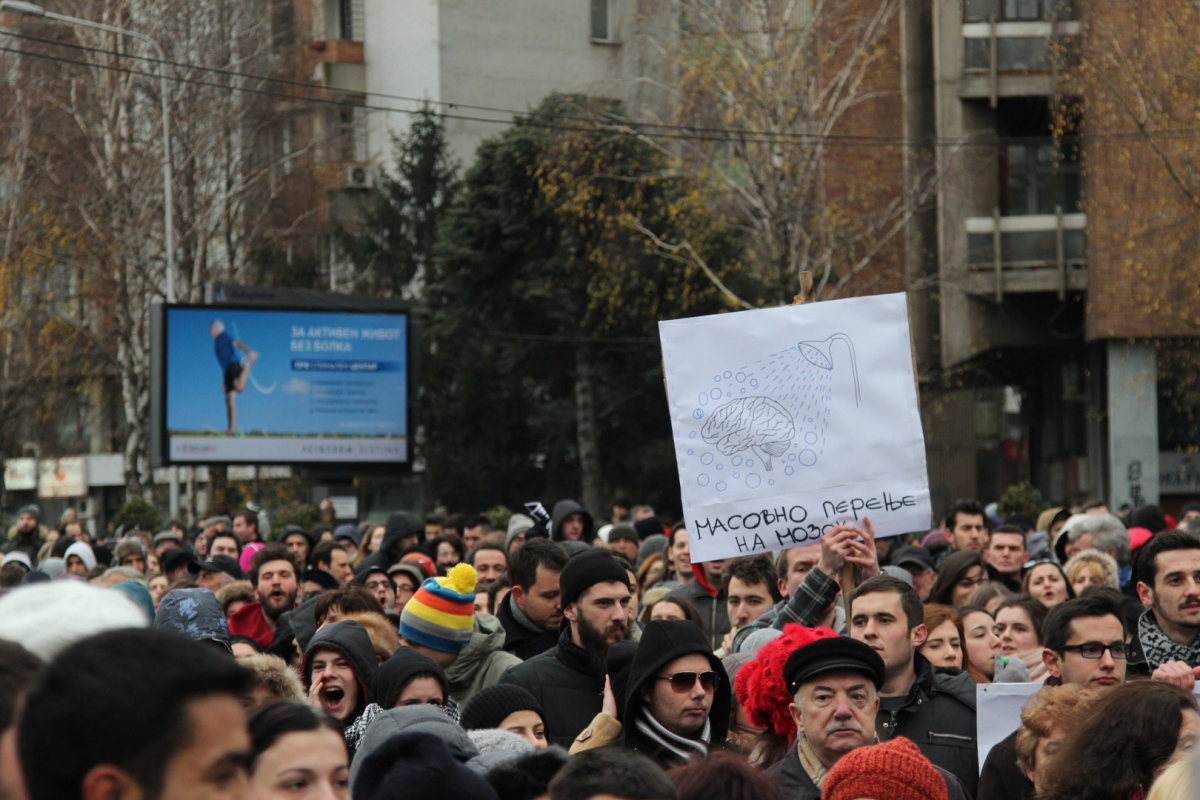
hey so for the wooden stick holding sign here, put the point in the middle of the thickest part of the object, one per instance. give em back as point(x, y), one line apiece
point(848, 580)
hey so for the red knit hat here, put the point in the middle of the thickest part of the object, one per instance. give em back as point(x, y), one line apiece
point(894, 770)
point(761, 690)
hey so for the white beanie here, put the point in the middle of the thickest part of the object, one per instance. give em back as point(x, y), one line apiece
point(48, 617)
point(84, 551)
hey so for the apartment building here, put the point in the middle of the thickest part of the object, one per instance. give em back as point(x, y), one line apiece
point(1054, 278)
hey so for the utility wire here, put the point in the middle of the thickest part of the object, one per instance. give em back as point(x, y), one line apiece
point(621, 125)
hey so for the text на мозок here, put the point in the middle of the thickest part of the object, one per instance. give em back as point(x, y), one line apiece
point(791, 525)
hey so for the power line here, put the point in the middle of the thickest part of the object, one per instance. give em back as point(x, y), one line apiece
point(618, 125)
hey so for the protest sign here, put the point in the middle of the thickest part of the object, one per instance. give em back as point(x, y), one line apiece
point(789, 420)
point(998, 711)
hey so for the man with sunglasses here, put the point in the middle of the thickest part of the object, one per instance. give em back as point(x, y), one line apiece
point(678, 701)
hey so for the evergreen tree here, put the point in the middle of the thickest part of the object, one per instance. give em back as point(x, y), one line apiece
point(393, 248)
point(543, 376)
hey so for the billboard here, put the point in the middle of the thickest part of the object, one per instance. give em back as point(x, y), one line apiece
point(273, 385)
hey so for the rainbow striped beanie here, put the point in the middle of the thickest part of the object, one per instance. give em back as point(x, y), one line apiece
point(441, 615)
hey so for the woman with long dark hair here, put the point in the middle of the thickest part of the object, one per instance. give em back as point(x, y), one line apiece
point(1127, 739)
point(958, 577)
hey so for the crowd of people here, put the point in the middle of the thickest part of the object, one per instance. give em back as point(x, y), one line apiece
point(560, 658)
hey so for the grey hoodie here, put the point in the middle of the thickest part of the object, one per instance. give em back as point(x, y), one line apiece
point(481, 662)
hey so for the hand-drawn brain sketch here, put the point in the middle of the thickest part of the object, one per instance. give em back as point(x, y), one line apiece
point(751, 423)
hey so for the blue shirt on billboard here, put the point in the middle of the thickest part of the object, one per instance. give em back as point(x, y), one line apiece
point(226, 354)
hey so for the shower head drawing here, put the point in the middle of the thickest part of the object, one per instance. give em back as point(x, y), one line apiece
point(820, 354)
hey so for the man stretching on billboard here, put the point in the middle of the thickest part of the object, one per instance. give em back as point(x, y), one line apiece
point(234, 371)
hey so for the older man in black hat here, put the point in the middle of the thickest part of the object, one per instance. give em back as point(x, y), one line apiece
point(835, 684)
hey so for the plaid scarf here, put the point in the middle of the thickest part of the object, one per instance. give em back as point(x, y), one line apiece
point(1159, 649)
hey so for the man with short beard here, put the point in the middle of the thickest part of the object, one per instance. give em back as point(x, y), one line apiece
point(26, 535)
point(273, 575)
point(568, 679)
point(1168, 583)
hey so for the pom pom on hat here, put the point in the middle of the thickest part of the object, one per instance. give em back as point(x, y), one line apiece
point(441, 614)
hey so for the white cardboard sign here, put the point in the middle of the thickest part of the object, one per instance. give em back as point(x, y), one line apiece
point(998, 713)
point(789, 420)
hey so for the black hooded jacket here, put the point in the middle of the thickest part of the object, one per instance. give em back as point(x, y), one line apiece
point(564, 509)
point(662, 642)
point(400, 525)
point(398, 671)
point(351, 640)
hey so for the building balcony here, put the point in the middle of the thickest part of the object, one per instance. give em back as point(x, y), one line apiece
point(337, 51)
point(1013, 59)
point(1021, 254)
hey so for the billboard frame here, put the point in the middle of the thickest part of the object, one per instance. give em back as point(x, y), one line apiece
point(284, 300)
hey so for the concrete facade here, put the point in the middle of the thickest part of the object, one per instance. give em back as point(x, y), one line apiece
point(482, 62)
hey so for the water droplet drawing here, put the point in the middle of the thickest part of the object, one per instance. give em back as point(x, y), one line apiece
point(787, 414)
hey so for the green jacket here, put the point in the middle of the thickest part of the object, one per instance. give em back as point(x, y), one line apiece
point(481, 662)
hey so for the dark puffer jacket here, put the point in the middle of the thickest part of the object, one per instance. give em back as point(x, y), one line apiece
point(939, 717)
point(662, 642)
point(567, 684)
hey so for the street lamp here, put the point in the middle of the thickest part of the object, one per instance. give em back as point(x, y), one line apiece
point(33, 10)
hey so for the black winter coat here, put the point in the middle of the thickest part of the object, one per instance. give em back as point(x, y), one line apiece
point(1002, 777)
point(794, 783)
point(939, 717)
point(566, 683)
point(519, 639)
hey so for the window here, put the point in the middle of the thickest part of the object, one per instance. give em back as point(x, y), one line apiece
point(350, 20)
point(1041, 177)
point(1017, 10)
point(602, 27)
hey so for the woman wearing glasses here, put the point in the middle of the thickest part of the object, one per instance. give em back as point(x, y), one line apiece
point(960, 575)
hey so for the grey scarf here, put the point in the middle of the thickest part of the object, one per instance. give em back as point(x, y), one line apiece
point(1159, 649)
point(679, 745)
point(520, 616)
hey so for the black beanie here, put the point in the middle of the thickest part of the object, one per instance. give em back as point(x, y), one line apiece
point(489, 708)
point(585, 570)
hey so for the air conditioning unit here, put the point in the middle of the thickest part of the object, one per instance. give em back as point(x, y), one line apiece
point(358, 176)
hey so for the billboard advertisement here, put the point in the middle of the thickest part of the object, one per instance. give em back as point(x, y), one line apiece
point(268, 385)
